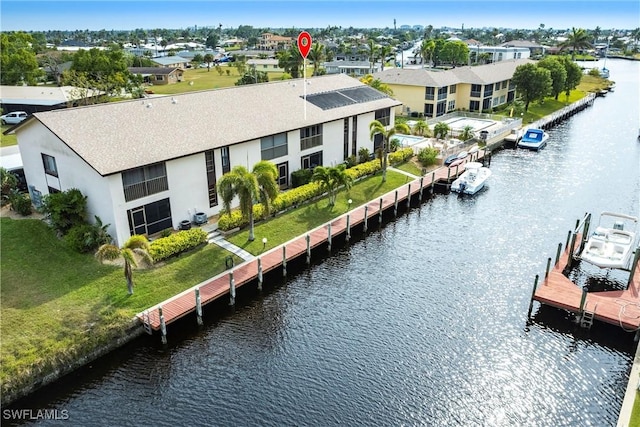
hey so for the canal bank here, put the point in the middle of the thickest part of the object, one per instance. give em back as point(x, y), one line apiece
point(395, 327)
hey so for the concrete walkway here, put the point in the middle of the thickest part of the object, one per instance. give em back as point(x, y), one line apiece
point(214, 236)
point(630, 394)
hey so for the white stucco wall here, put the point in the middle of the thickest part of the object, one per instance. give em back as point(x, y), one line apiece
point(34, 140)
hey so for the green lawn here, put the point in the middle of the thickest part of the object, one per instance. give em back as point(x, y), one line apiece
point(297, 222)
point(635, 412)
point(411, 168)
point(56, 303)
point(7, 140)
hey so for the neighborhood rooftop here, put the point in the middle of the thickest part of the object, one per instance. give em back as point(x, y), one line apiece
point(484, 74)
point(123, 135)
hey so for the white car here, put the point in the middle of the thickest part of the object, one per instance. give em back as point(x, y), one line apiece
point(13, 118)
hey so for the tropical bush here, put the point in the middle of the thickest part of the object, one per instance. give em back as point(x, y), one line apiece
point(8, 183)
point(363, 155)
point(20, 203)
point(65, 209)
point(166, 247)
point(427, 156)
point(351, 161)
point(87, 237)
point(400, 156)
point(300, 177)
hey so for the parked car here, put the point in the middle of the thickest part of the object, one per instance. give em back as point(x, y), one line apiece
point(13, 118)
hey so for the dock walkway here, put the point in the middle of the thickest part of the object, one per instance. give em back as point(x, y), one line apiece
point(253, 268)
point(620, 307)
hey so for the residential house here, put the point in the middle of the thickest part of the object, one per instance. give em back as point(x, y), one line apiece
point(270, 41)
point(146, 165)
point(435, 93)
point(158, 75)
point(352, 68)
point(44, 98)
point(534, 48)
point(266, 65)
point(171, 62)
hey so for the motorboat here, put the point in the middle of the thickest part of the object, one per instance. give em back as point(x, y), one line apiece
point(472, 179)
point(533, 139)
point(450, 159)
point(611, 244)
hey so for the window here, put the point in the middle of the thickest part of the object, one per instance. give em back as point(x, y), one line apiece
point(354, 137)
point(428, 110)
point(503, 99)
point(496, 101)
point(151, 218)
point(50, 167)
point(476, 91)
point(377, 142)
point(452, 89)
point(429, 93)
point(442, 93)
point(274, 146)
point(144, 181)
point(474, 106)
point(283, 175)
point(384, 116)
point(311, 161)
point(504, 84)
point(310, 137)
point(226, 162)
point(345, 138)
point(486, 104)
point(440, 108)
point(488, 90)
point(451, 106)
point(211, 178)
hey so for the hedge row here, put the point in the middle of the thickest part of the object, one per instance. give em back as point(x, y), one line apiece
point(307, 192)
point(176, 243)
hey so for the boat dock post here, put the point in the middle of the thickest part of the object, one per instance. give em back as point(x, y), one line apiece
point(198, 307)
point(558, 253)
point(284, 261)
point(260, 278)
point(232, 289)
point(533, 292)
point(308, 239)
point(634, 266)
point(329, 237)
point(380, 212)
point(395, 204)
point(421, 188)
point(366, 218)
point(163, 326)
point(409, 196)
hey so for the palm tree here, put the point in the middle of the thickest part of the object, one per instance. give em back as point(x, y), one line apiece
point(375, 127)
point(421, 128)
point(440, 130)
point(385, 51)
point(426, 50)
point(467, 133)
point(372, 54)
point(291, 61)
point(376, 84)
point(332, 178)
point(316, 55)
point(578, 39)
point(208, 58)
point(136, 245)
point(259, 185)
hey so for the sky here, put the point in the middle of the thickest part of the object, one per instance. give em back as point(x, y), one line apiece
point(31, 15)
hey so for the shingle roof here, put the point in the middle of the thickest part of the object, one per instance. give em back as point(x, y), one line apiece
point(42, 95)
point(123, 135)
point(168, 60)
point(151, 70)
point(482, 74)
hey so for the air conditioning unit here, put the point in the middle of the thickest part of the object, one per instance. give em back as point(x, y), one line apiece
point(200, 218)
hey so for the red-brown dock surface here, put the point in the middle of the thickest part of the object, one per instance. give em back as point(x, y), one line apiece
point(219, 286)
point(621, 308)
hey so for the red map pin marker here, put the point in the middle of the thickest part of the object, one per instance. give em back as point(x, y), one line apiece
point(304, 43)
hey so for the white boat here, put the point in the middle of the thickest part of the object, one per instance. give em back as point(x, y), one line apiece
point(533, 139)
point(611, 245)
point(472, 179)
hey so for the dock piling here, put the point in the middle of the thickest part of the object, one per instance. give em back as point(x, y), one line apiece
point(232, 289)
point(395, 204)
point(348, 235)
point(198, 307)
point(329, 237)
point(546, 273)
point(308, 239)
point(163, 326)
point(284, 261)
point(558, 252)
point(366, 217)
point(533, 292)
point(409, 196)
point(433, 181)
point(421, 188)
point(634, 266)
point(583, 299)
point(259, 274)
point(380, 212)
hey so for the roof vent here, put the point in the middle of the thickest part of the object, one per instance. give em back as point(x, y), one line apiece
point(173, 100)
point(149, 105)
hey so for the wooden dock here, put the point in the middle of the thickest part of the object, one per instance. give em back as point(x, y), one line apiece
point(225, 284)
point(619, 307)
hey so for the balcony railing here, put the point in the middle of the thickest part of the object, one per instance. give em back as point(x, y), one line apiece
point(145, 188)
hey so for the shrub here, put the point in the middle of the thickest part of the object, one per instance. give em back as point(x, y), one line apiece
point(66, 209)
point(300, 177)
point(21, 203)
point(87, 237)
point(400, 156)
point(176, 243)
point(427, 156)
point(166, 232)
point(351, 161)
point(364, 155)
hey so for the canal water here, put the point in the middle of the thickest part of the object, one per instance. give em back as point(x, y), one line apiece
point(423, 322)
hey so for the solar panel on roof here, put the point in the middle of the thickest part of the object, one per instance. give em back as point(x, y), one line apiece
point(344, 97)
point(329, 100)
point(362, 94)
